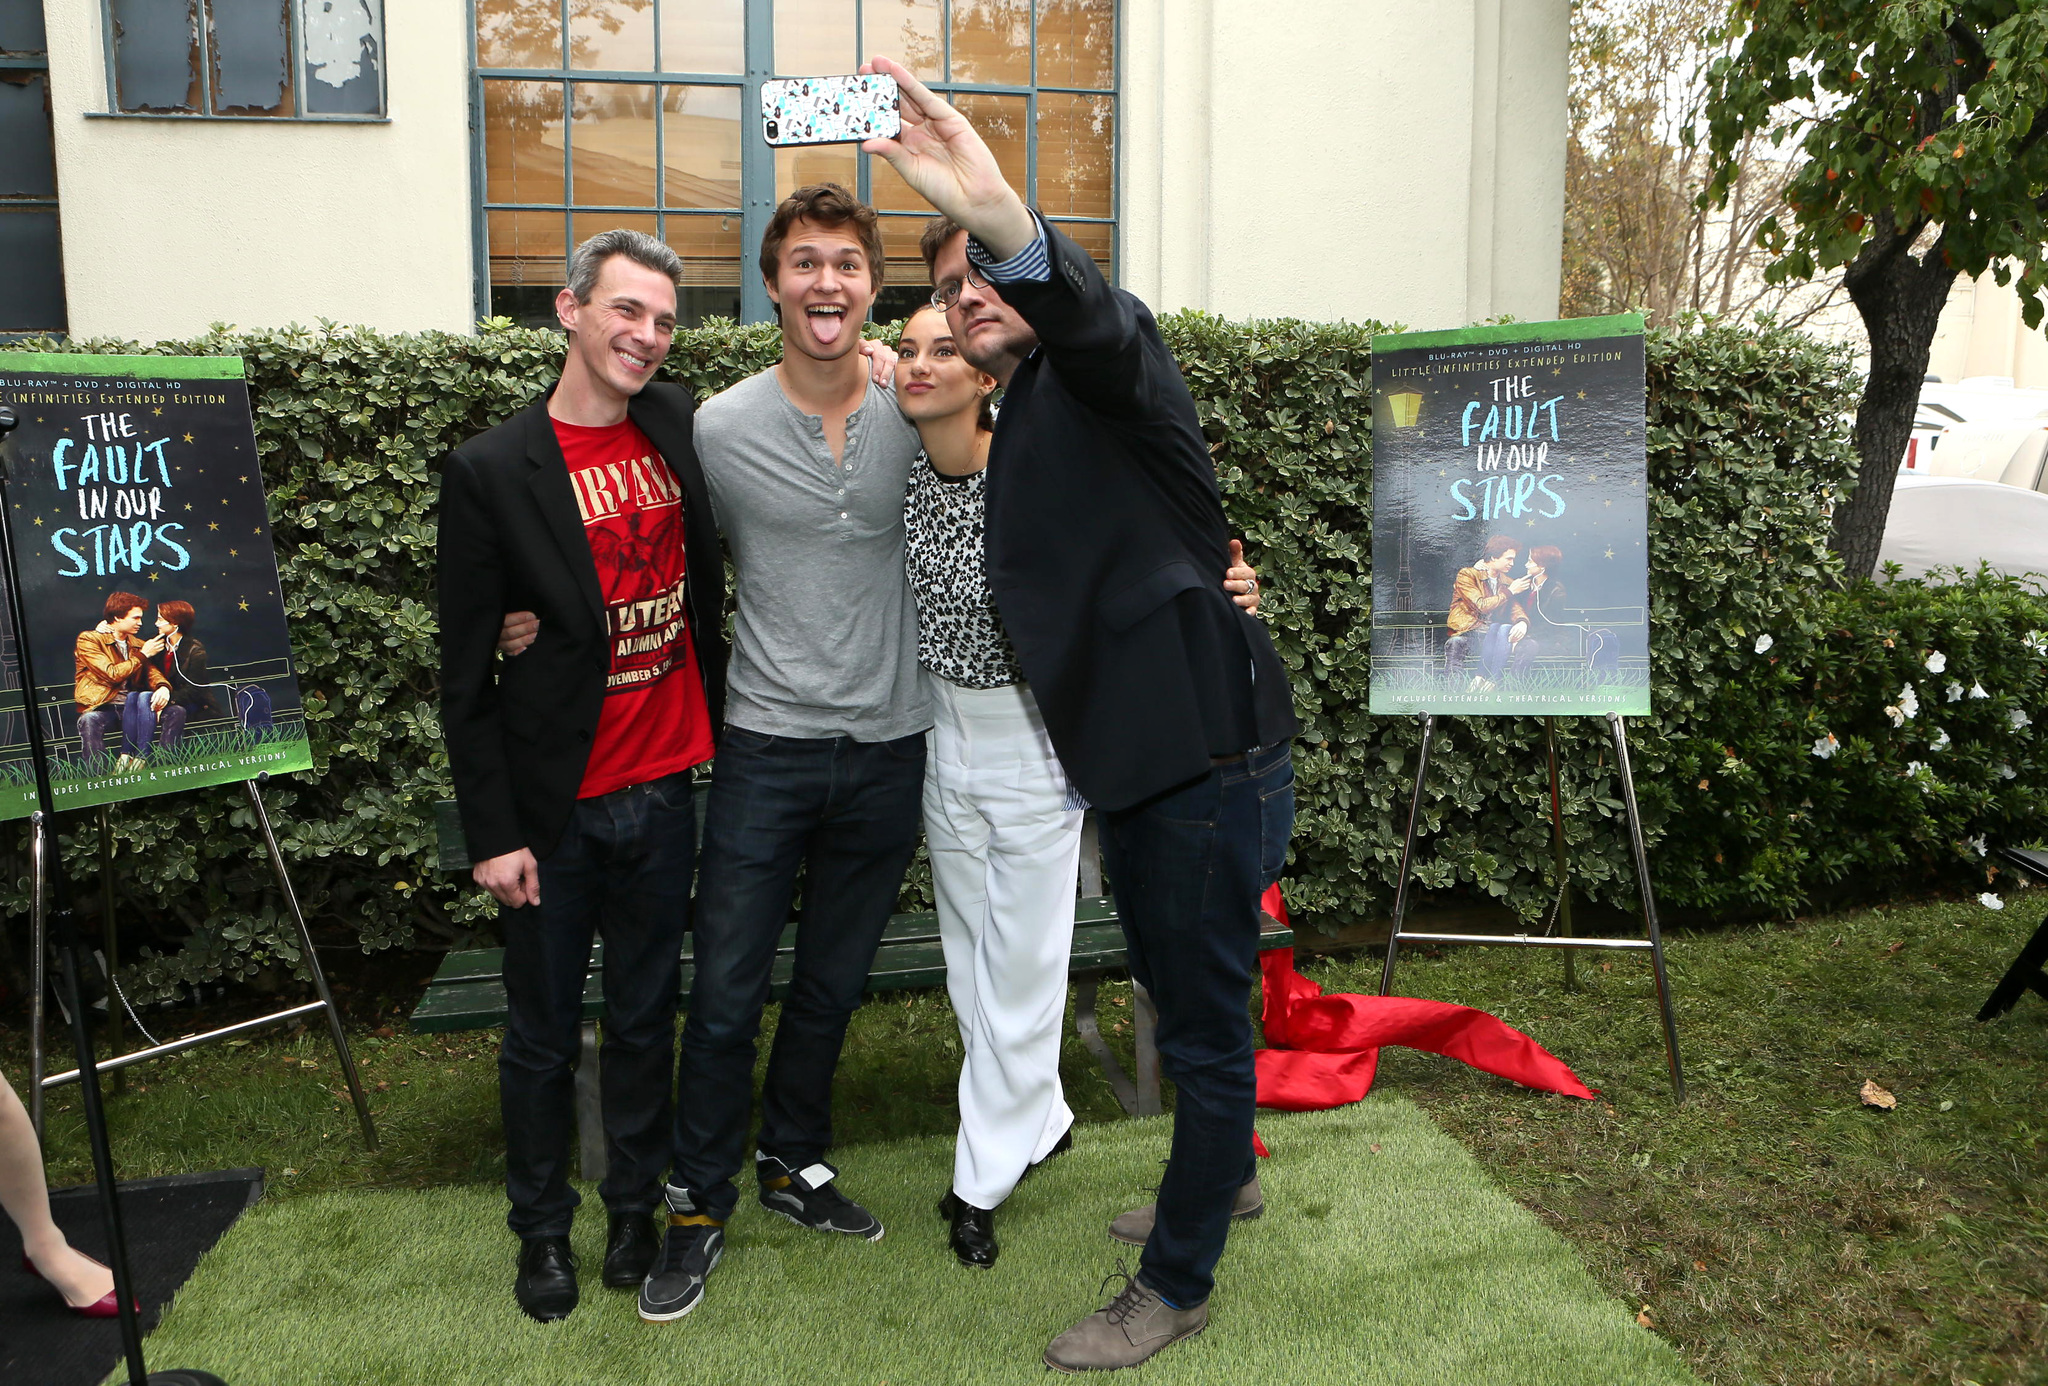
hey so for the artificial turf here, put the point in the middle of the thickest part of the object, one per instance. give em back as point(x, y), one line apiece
point(1386, 1255)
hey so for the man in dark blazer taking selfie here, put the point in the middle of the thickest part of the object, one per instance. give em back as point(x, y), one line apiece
point(571, 760)
point(1168, 706)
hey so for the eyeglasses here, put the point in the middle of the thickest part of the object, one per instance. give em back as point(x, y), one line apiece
point(945, 295)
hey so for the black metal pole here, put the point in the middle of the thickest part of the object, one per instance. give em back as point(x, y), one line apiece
point(1407, 854)
point(110, 943)
point(1564, 880)
point(65, 934)
point(1649, 903)
point(319, 974)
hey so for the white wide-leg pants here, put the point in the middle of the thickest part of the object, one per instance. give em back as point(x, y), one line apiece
point(1005, 851)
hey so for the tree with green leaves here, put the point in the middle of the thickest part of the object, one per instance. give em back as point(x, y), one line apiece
point(1924, 130)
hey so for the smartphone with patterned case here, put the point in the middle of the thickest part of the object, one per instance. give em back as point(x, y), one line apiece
point(829, 110)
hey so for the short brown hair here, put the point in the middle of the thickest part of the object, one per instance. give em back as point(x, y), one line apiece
point(119, 604)
point(937, 232)
point(1500, 544)
point(830, 206)
point(179, 614)
point(1544, 555)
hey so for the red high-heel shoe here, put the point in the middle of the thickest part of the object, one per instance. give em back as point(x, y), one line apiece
point(105, 1307)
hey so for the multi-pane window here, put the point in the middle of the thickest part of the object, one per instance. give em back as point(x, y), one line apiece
point(645, 113)
point(290, 59)
point(32, 281)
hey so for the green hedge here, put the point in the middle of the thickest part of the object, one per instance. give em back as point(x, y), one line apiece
point(1749, 444)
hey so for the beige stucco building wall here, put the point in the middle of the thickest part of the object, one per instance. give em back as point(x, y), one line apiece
point(1400, 161)
point(1981, 333)
point(173, 224)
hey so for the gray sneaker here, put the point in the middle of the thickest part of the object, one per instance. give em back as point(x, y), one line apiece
point(1124, 1332)
point(1135, 1226)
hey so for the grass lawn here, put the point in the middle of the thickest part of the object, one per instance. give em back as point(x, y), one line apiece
point(1773, 1229)
point(1388, 1256)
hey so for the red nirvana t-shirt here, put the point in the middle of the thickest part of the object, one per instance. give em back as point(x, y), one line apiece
point(654, 721)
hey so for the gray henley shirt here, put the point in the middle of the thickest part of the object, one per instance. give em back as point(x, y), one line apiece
point(825, 643)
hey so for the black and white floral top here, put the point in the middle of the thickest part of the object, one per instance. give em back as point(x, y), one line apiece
point(959, 635)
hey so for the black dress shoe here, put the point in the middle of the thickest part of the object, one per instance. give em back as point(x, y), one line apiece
point(974, 1231)
point(629, 1250)
point(546, 1287)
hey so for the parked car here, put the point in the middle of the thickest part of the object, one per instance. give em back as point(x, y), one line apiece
point(1975, 428)
point(1961, 521)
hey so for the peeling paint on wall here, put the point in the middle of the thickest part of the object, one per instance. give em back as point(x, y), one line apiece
point(341, 39)
point(251, 55)
point(344, 52)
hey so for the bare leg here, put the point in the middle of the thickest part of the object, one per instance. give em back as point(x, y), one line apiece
point(80, 1279)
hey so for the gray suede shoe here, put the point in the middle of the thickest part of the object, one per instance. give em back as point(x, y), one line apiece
point(1135, 1226)
point(1124, 1332)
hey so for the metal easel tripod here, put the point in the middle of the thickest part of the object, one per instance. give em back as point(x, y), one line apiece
point(64, 935)
point(1652, 941)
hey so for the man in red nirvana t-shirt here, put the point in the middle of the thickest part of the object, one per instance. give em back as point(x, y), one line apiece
point(571, 761)
point(654, 722)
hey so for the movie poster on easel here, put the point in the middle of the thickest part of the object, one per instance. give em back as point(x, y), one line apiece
point(156, 628)
point(1510, 529)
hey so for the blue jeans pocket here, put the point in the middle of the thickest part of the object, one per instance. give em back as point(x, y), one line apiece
point(1276, 824)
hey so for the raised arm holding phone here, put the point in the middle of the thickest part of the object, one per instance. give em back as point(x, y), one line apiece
point(1168, 706)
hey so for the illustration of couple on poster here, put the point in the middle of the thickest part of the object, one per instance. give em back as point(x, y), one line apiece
point(1503, 623)
point(139, 693)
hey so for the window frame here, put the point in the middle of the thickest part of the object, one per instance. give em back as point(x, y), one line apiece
point(40, 62)
point(757, 160)
point(297, 52)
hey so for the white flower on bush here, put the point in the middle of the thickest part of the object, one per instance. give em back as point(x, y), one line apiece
point(1976, 844)
point(1941, 742)
point(1977, 691)
point(2019, 718)
point(1955, 691)
point(2036, 641)
point(2006, 772)
point(1764, 643)
point(1826, 746)
point(1908, 705)
point(1937, 662)
point(1990, 901)
point(1913, 772)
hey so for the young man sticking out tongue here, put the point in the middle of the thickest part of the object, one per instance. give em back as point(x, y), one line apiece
point(821, 762)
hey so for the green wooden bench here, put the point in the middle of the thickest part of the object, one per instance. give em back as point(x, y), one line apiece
point(468, 991)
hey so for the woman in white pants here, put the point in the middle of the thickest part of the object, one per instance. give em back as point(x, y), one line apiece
point(1002, 823)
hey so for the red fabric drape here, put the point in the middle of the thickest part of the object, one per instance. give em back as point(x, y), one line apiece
point(1323, 1050)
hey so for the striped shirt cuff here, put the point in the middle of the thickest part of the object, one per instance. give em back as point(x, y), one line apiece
point(1032, 263)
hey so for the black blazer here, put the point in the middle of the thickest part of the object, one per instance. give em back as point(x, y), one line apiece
point(1106, 546)
point(518, 730)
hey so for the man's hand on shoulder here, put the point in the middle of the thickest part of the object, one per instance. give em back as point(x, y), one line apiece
point(881, 362)
point(1241, 580)
point(520, 629)
point(513, 879)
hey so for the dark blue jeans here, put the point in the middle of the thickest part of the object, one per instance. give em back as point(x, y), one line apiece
point(622, 871)
point(849, 813)
point(132, 716)
point(1188, 868)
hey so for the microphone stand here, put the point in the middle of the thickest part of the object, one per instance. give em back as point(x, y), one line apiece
point(64, 936)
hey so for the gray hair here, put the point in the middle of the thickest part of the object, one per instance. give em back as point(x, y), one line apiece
point(637, 246)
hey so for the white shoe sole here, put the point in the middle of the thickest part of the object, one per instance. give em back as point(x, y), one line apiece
point(646, 1317)
point(809, 1227)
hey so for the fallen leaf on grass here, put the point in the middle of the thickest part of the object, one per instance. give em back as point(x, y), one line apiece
point(1375, 1150)
point(1901, 943)
point(1875, 1096)
point(1699, 1265)
point(1643, 1316)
